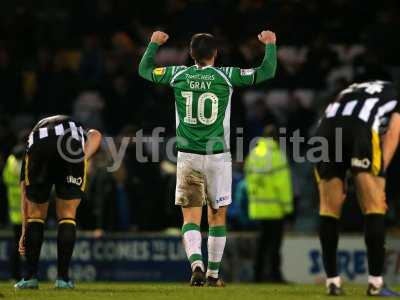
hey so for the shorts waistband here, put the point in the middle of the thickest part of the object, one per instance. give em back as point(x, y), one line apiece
point(203, 152)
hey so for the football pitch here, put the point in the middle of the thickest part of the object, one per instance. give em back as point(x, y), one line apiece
point(179, 291)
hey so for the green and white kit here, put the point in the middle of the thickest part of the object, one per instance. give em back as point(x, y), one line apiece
point(203, 108)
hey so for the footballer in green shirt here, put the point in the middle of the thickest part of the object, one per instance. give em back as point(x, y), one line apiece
point(203, 95)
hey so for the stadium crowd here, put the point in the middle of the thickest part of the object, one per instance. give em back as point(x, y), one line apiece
point(81, 58)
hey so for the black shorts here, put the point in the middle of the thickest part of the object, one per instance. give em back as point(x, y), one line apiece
point(352, 145)
point(44, 167)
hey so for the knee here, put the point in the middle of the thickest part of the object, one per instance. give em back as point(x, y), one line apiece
point(375, 206)
point(331, 208)
point(66, 209)
point(36, 214)
point(36, 211)
point(217, 217)
point(66, 212)
point(192, 215)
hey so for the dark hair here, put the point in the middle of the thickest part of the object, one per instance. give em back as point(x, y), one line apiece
point(202, 47)
point(270, 131)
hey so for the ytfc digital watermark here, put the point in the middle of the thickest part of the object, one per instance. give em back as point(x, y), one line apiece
point(155, 147)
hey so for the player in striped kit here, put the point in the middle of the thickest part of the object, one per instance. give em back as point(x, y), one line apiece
point(57, 152)
point(203, 103)
point(368, 116)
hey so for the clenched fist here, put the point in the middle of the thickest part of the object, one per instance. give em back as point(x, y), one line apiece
point(267, 37)
point(159, 37)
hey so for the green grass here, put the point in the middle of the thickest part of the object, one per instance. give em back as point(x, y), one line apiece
point(179, 291)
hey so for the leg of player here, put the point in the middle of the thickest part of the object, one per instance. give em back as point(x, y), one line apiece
point(66, 236)
point(371, 194)
point(35, 219)
point(191, 235)
point(332, 196)
point(216, 244)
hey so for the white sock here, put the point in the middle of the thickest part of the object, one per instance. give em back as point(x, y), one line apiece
point(376, 281)
point(192, 242)
point(335, 280)
point(216, 246)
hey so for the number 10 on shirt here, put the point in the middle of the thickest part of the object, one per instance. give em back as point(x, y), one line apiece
point(201, 102)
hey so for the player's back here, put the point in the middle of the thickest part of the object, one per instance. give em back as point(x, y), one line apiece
point(353, 126)
point(52, 121)
point(370, 103)
point(203, 94)
point(203, 97)
point(57, 129)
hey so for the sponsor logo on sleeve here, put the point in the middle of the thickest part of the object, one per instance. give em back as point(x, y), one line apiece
point(247, 72)
point(159, 71)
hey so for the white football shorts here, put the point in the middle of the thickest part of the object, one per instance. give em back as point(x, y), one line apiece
point(204, 179)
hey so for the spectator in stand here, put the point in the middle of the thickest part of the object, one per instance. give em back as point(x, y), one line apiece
point(91, 65)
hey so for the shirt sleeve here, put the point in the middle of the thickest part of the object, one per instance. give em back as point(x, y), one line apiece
point(149, 71)
point(245, 77)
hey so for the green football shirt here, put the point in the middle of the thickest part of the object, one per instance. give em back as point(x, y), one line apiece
point(203, 98)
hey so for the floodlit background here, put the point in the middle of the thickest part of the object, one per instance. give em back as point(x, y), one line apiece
point(81, 58)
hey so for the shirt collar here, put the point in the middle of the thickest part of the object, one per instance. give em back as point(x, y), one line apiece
point(202, 68)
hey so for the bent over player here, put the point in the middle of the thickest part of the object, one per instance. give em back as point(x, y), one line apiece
point(203, 103)
point(57, 152)
point(366, 116)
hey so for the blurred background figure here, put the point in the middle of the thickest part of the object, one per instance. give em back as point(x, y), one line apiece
point(270, 200)
point(11, 176)
point(109, 199)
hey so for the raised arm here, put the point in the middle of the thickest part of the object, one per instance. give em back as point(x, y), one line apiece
point(267, 68)
point(243, 77)
point(147, 68)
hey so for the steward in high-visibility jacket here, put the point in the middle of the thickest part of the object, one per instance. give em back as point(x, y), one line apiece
point(268, 182)
point(11, 179)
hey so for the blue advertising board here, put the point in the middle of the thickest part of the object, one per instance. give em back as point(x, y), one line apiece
point(161, 257)
point(144, 258)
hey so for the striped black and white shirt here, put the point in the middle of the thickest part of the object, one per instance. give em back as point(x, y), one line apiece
point(372, 102)
point(58, 125)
